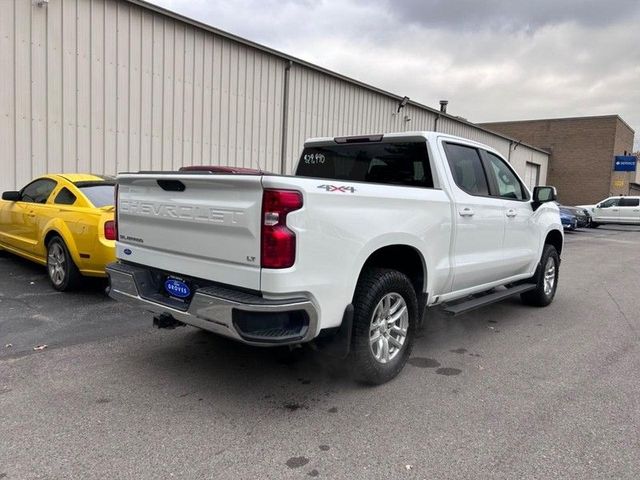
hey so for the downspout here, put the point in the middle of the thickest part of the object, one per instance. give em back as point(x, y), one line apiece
point(443, 109)
point(509, 155)
point(285, 117)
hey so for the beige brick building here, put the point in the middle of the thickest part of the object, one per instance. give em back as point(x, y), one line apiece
point(582, 152)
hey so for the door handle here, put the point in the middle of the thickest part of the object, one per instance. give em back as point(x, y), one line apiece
point(511, 213)
point(614, 209)
point(466, 212)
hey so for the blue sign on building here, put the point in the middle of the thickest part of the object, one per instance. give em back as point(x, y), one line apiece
point(624, 163)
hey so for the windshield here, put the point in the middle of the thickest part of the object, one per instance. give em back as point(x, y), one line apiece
point(99, 195)
point(401, 163)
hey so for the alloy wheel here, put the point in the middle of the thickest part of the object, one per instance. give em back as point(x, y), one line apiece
point(388, 327)
point(549, 276)
point(57, 263)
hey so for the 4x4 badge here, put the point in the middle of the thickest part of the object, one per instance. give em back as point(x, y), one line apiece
point(336, 188)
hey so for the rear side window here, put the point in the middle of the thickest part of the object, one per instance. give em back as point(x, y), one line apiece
point(65, 197)
point(466, 168)
point(402, 163)
point(99, 195)
point(629, 202)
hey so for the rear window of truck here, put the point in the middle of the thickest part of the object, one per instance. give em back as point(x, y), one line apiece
point(401, 163)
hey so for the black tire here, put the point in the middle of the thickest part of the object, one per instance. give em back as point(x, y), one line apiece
point(63, 272)
point(538, 297)
point(594, 225)
point(376, 284)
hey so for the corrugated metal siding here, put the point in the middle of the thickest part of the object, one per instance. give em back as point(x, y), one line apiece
point(8, 120)
point(320, 105)
point(452, 127)
point(108, 85)
point(104, 86)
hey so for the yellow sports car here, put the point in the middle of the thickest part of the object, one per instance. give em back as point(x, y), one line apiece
point(65, 222)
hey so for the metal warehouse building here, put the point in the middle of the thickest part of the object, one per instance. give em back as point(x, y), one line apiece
point(119, 85)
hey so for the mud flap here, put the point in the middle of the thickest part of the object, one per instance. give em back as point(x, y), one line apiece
point(422, 307)
point(337, 342)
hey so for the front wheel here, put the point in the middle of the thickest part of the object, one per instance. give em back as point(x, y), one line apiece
point(546, 279)
point(63, 273)
point(385, 316)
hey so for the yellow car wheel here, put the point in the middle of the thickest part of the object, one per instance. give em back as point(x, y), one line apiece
point(63, 273)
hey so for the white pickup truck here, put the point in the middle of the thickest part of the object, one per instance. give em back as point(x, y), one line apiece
point(346, 254)
point(621, 210)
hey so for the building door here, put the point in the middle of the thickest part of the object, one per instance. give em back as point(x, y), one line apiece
point(531, 175)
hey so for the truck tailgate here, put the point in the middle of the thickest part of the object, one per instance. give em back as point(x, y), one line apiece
point(204, 226)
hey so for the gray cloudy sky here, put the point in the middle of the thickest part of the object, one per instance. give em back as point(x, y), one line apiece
point(492, 59)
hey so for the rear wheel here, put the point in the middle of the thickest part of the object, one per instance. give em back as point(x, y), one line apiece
point(63, 273)
point(546, 279)
point(385, 315)
point(594, 225)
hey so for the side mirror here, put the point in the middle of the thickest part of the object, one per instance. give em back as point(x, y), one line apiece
point(544, 194)
point(11, 196)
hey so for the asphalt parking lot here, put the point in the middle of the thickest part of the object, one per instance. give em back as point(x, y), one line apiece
point(504, 392)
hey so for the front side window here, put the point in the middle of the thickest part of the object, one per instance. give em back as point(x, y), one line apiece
point(508, 184)
point(466, 168)
point(611, 202)
point(38, 191)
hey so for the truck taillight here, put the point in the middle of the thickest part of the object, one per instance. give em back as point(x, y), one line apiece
point(278, 242)
point(115, 212)
point(110, 232)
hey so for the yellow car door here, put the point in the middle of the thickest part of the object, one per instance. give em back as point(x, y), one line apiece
point(36, 212)
point(12, 228)
point(20, 218)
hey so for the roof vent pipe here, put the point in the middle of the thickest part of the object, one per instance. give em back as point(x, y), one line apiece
point(443, 105)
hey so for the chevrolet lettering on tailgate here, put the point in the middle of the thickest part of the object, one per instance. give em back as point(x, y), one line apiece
point(197, 213)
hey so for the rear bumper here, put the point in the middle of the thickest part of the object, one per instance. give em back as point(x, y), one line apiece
point(248, 318)
point(103, 254)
